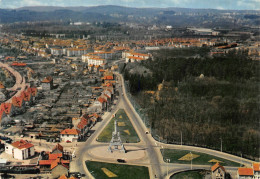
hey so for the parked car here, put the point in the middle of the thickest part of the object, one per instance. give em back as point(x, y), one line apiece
point(121, 161)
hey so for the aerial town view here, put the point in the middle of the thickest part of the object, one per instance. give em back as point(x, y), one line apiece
point(130, 89)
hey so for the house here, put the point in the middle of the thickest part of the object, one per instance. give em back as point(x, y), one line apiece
point(93, 59)
point(53, 160)
point(70, 135)
point(245, 173)
point(18, 103)
point(57, 149)
point(82, 126)
point(102, 100)
point(218, 171)
point(27, 97)
point(33, 91)
point(256, 167)
point(65, 177)
point(47, 83)
point(20, 149)
point(58, 168)
point(8, 108)
point(133, 57)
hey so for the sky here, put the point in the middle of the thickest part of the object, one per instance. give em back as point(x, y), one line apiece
point(201, 4)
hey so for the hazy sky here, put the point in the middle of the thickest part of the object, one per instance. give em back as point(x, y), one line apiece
point(214, 4)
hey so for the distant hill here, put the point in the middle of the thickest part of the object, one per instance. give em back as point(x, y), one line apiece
point(110, 13)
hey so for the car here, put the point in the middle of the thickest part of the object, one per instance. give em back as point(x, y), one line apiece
point(121, 161)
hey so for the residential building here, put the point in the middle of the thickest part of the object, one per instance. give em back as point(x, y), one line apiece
point(256, 167)
point(20, 149)
point(18, 103)
point(70, 135)
point(245, 173)
point(47, 83)
point(218, 171)
point(8, 109)
point(58, 168)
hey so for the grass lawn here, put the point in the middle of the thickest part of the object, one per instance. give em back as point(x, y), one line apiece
point(189, 175)
point(117, 170)
point(202, 159)
point(125, 127)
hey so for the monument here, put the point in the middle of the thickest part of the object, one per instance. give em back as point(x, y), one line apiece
point(116, 143)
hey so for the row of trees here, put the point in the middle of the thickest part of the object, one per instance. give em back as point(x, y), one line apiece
point(222, 104)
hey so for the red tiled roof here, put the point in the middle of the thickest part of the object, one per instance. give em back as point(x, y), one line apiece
point(22, 144)
point(245, 171)
point(63, 177)
point(45, 162)
point(216, 166)
point(102, 100)
point(55, 156)
point(108, 78)
point(26, 96)
point(33, 91)
point(17, 101)
point(1, 85)
point(256, 167)
point(70, 132)
point(58, 162)
point(83, 122)
point(48, 79)
point(6, 107)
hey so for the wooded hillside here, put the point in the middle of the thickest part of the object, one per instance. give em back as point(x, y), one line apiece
point(206, 99)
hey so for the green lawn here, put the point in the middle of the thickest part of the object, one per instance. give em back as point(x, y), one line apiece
point(189, 175)
point(122, 171)
point(203, 159)
point(127, 132)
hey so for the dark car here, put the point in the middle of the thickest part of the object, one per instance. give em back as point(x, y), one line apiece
point(121, 160)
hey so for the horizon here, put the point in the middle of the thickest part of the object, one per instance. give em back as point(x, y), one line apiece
point(192, 4)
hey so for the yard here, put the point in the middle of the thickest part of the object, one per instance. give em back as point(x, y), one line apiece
point(125, 127)
point(185, 157)
point(108, 170)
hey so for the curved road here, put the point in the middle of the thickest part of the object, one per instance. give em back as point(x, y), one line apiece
point(154, 161)
point(19, 80)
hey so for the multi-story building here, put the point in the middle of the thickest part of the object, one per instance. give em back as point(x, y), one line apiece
point(20, 149)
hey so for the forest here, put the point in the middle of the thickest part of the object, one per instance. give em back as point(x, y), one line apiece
point(206, 100)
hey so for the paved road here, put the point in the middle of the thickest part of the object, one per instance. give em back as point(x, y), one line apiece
point(154, 161)
point(20, 84)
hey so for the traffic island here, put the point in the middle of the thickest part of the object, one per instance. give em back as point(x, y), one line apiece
point(194, 158)
point(124, 127)
point(195, 174)
point(108, 170)
point(132, 153)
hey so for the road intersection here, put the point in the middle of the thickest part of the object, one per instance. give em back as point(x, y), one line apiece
point(153, 159)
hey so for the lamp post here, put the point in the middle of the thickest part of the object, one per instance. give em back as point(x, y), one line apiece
point(162, 150)
point(168, 161)
point(181, 137)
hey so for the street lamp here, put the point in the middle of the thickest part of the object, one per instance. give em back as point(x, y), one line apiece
point(181, 137)
point(162, 149)
point(168, 161)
